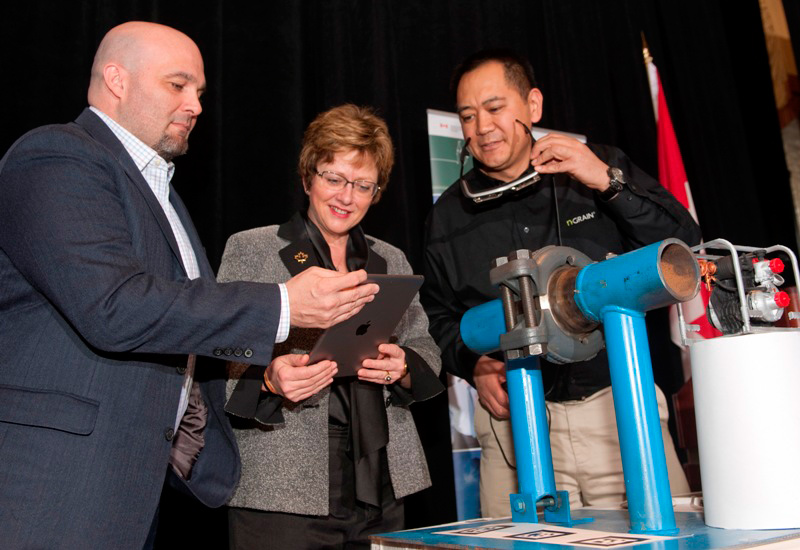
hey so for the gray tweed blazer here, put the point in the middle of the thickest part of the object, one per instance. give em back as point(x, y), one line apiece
point(285, 466)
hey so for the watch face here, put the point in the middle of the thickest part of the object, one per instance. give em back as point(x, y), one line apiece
point(617, 179)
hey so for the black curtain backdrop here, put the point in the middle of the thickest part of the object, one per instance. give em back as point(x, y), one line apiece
point(272, 66)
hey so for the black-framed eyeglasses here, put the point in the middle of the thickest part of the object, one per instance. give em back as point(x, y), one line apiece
point(496, 192)
point(335, 180)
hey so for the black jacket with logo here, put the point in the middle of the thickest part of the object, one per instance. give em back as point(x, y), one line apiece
point(464, 237)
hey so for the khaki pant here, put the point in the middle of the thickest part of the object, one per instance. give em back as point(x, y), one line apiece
point(586, 457)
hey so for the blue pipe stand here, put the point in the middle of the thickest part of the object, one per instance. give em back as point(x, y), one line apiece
point(532, 448)
point(618, 291)
point(638, 424)
point(552, 302)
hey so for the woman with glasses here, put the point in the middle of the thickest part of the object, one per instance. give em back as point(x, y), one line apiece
point(326, 462)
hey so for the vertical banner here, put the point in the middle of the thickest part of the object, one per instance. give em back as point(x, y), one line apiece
point(445, 142)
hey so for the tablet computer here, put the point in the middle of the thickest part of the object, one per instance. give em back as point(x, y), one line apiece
point(357, 338)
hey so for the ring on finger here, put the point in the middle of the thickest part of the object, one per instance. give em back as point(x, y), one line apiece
point(388, 376)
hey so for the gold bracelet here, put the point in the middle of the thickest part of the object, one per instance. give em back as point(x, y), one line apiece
point(269, 385)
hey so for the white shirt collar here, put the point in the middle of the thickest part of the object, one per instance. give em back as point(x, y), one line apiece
point(141, 153)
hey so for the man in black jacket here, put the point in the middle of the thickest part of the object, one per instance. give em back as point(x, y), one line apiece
point(591, 198)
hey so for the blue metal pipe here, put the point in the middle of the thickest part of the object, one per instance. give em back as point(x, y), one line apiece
point(481, 327)
point(654, 276)
point(531, 435)
point(638, 423)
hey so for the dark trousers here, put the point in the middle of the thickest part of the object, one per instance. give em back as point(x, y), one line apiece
point(347, 526)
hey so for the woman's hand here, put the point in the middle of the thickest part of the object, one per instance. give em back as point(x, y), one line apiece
point(292, 377)
point(389, 368)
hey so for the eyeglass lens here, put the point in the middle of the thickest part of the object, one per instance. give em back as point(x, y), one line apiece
point(337, 181)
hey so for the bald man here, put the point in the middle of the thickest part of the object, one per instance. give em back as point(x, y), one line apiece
point(109, 307)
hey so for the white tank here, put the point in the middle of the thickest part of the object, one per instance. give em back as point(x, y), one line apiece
point(747, 404)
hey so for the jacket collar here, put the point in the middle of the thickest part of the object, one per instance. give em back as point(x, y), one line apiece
point(101, 133)
point(300, 253)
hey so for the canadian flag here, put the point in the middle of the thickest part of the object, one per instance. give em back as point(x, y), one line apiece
point(672, 175)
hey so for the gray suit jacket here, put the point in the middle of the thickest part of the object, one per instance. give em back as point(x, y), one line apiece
point(97, 318)
point(285, 466)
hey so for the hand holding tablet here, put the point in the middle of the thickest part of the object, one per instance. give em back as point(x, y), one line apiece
point(357, 338)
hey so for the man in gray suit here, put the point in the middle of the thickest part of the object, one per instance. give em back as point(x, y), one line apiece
point(107, 298)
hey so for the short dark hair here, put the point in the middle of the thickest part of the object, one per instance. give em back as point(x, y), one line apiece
point(518, 70)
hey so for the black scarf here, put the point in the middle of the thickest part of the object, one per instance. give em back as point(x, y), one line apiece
point(355, 403)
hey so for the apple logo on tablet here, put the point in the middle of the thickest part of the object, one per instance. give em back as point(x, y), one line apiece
point(362, 330)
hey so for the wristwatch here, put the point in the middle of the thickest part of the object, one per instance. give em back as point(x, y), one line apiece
point(615, 185)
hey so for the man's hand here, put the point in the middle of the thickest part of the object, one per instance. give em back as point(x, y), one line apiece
point(292, 377)
point(321, 298)
point(555, 153)
point(489, 376)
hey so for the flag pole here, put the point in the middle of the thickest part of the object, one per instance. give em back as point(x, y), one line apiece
point(645, 50)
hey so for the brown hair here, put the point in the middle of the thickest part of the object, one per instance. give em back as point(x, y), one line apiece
point(344, 128)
